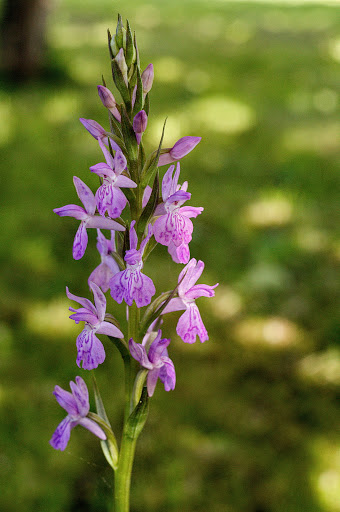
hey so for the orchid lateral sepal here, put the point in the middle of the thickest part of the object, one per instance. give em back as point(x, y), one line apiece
point(119, 141)
point(109, 445)
point(150, 167)
point(138, 417)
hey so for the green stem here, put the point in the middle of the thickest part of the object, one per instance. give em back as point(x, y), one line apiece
point(123, 474)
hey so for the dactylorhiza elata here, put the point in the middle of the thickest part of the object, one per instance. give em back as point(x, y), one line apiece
point(131, 212)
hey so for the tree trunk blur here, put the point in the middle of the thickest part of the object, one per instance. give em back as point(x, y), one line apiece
point(23, 34)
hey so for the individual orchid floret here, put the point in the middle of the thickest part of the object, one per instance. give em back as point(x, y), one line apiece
point(108, 267)
point(140, 122)
point(174, 228)
point(90, 349)
point(109, 197)
point(147, 78)
point(98, 132)
point(156, 361)
point(130, 284)
point(87, 217)
point(108, 100)
point(190, 323)
point(182, 147)
point(77, 406)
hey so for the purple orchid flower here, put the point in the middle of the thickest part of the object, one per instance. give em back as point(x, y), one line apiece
point(156, 361)
point(182, 147)
point(109, 197)
point(139, 125)
point(86, 216)
point(90, 349)
point(174, 227)
point(190, 323)
point(77, 406)
point(108, 267)
point(130, 284)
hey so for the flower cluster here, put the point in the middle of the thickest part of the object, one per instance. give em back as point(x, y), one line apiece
point(127, 203)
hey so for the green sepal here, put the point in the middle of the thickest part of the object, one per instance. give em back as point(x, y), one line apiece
point(118, 79)
point(147, 104)
point(138, 386)
point(130, 54)
point(150, 167)
point(137, 418)
point(139, 95)
point(141, 156)
point(149, 248)
point(120, 33)
point(118, 141)
point(109, 446)
point(109, 37)
point(129, 138)
point(115, 127)
point(149, 209)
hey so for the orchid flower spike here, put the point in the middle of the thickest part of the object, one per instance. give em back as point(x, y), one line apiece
point(182, 147)
point(109, 197)
point(130, 284)
point(174, 228)
point(77, 407)
point(190, 323)
point(90, 349)
point(87, 217)
point(157, 361)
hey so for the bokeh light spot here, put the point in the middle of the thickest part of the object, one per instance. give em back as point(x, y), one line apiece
point(275, 332)
point(274, 210)
point(50, 319)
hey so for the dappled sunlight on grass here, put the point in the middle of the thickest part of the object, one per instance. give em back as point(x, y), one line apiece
point(321, 367)
point(271, 332)
point(239, 32)
point(322, 138)
point(85, 69)
point(78, 35)
point(227, 303)
point(274, 209)
point(36, 255)
point(312, 240)
point(334, 49)
point(325, 475)
point(61, 106)
point(50, 319)
point(147, 16)
point(169, 70)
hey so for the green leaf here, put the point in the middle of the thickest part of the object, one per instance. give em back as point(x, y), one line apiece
point(149, 209)
point(129, 137)
point(150, 167)
point(130, 54)
point(139, 94)
point(109, 445)
point(138, 417)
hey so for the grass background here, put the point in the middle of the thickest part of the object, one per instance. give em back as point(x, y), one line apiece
point(253, 424)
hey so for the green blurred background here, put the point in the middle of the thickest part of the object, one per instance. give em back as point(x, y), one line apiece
point(253, 424)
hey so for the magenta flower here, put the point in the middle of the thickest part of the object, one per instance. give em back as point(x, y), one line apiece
point(77, 406)
point(130, 284)
point(174, 228)
point(86, 216)
point(156, 361)
point(108, 267)
point(182, 147)
point(98, 132)
point(190, 323)
point(109, 197)
point(90, 349)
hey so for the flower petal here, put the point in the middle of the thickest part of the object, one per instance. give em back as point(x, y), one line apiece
point(152, 380)
point(99, 300)
point(90, 350)
point(110, 330)
point(71, 210)
point(66, 400)
point(191, 325)
point(97, 221)
point(82, 301)
point(167, 374)
point(180, 254)
point(61, 435)
point(138, 352)
point(81, 396)
point(93, 427)
point(119, 163)
point(166, 183)
point(158, 348)
point(80, 242)
point(200, 290)
point(85, 194)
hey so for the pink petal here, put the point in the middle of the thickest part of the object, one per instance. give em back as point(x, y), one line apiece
point(110, 330)
point(191, 325)
point(71, 210)
point(85, 194)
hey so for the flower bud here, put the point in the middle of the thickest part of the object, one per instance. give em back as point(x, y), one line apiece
point(182, 147)
point(93, 128)
point(120, 60)
point(140, 122)
point(108, 101)
point(147, 78)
